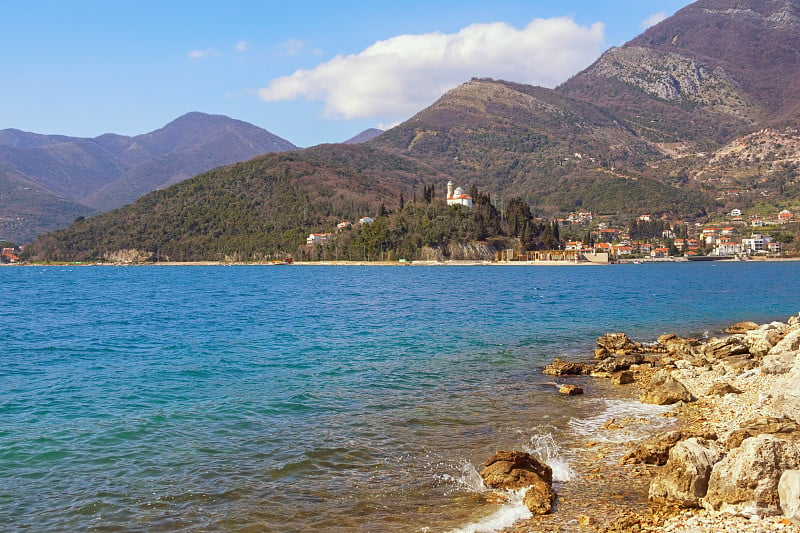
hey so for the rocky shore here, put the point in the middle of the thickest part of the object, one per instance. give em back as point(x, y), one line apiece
point(730, 461)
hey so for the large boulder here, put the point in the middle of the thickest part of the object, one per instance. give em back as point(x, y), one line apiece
point(678, 347)
point(665, 390)
point(655, 450)
point(761, 340)
point(725, 347)
point(566, 368)
point(782, 356)
point(789, 493)
point(683, 480)
point(746, 481)
point(786, 399)
point(518, 470)
point(741, 327)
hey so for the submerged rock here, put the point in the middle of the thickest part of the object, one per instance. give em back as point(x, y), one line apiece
point(746, 481)
point(684, 478)
point(571, 390)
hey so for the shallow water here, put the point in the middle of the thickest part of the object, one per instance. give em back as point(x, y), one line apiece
point(293, 398)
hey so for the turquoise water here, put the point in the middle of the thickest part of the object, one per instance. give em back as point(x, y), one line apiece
point(263, 398)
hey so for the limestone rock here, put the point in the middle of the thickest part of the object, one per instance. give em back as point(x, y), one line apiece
point(514, 470)
point(763, 425)
point(517, 470)
point(620, 362)
point(684, 479)
point(623, 378)
point(725, 347)
point(565, 368)
point(746, 481)
point(741, 327)
point(616, 344)
point(721, 389)
point(655, 450)
point(570, 390)
point(665, 390)
point(787, 397)
point(778, 363)
point(789, 343)
point(760, 341)
point(789, 493)
point(539, 498)
point(678, 347)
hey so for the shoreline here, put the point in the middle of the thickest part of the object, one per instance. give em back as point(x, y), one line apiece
point(618, 490)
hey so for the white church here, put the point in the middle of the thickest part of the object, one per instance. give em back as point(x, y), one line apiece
point(457, 196)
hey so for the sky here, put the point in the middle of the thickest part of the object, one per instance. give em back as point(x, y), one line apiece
point(309, 71)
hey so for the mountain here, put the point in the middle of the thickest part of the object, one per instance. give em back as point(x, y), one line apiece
point(91, 175)
point(693, 116)
point(364, 136)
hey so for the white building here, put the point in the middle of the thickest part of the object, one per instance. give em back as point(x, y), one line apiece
point(319, 238)
point(457, 196)
point(757, 243)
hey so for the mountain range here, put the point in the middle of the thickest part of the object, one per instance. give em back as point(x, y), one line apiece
point(46, 181)
point(694, 116)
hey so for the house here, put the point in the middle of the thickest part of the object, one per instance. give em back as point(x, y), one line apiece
point(660, 252)
point(574, 245)
point(319, 238)
point(785, 216)
point(365, 220)
point(343, 225)
point(457, 196)
point(736, 212)
point(623, 250)
point(680, 244)
point(757, 243)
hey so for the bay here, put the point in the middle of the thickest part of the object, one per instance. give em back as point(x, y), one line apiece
point(296, 398)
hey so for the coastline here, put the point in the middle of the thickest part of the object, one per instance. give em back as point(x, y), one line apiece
point(610, 494)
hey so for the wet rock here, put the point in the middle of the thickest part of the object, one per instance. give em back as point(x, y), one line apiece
point(725, 347)
point(741, 327)
point(566, 368)
point(655, 450)
point(763, 425)
point(684, 478)
point(789, 494)
point(517, 470)
point(623, 378)
point(570, 390)
point(616, 344)
point(665, 390)
point(746, 481)
point(721, 389)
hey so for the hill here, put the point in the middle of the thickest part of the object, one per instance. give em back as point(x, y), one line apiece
point(679, 123)
point(91, 175)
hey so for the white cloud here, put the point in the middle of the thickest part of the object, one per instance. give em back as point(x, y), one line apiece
point(403, 74)
point(202, 54)
point(653, 19)
point(242, 46)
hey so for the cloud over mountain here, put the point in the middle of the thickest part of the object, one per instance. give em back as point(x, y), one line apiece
point(398, 76)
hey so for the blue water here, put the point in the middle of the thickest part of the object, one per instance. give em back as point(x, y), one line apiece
point(263, 398)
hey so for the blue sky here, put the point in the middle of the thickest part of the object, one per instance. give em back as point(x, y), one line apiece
point(308, 71)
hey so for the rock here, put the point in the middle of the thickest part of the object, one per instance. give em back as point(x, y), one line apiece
point(789, 343)
point(616, 344)
point(789, 494)
point(514, 470)
point(665, 390)
point(725, 347)
point(570, 390)
point(684, 479)
point(760, 341)
point(623, 378)
point(787, 393)
point(619, 362)
point(517, 470)
point(677, 347)
point(782, 356)
point(760, 426)
point(565, 368)
point(539, 498)
point(721, 389)
point(655, 450)
point(741, 327)
point(736, 364)
point(746, 481)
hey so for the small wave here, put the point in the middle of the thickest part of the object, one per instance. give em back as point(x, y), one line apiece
point(468, 479)
point(504, 517)
point(620, 410)
point(548, 451)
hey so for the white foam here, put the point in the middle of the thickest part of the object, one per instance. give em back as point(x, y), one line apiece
point(468, 479)
point(620, 410)
point(506, 516)
point(548, 451)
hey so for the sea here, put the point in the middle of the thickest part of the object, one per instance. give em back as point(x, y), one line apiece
point(318, 398)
